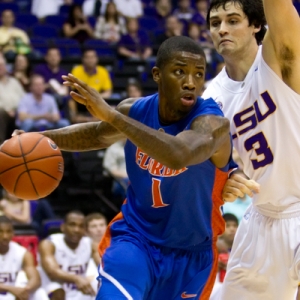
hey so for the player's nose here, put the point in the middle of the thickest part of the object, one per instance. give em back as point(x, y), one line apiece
point(189, 83)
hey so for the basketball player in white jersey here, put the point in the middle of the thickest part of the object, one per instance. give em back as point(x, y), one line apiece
point(259, 92)
point(13, 259)
point(64, 258)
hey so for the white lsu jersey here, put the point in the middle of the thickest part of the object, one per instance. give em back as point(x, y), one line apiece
point(72, 261)
point(264, 117)
point(10, 265)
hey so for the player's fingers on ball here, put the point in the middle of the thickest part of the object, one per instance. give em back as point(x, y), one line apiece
point(237, 191)
point(17, 132)
point(253, 185)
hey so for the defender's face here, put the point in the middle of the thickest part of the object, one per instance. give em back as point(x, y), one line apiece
point(180, 82)
point(230, 30)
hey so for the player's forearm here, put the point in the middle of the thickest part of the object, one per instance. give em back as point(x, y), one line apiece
point(167, 149)
point(33, 284)
point(61, 276)
point(79, 137)
point(5, 288)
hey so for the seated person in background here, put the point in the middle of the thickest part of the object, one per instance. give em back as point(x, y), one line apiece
point(44, 8)
point(51, 71)
point(110, 26)
point(17, 210)
point(94, 7)
point(13, 259)
point(184, 10)
point(95, 226)
point(163, 9)
point(12, 39)
point(224, 245)
point(135, 44)
point(37, 109)
point(134, 90)
point(11, 92)
point(22, 70)
point(64, 258)
point(114, 163)
point(77, 27)
point(200, 15)
point(94, 76)
point(173, 27)
point(129, 8)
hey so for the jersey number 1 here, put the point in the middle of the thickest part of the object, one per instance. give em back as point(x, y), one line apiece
point(156, 194)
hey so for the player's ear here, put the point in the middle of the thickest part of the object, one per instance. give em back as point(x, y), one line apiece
point(156, 74)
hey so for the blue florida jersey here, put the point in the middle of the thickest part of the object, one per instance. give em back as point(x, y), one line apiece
point(173, 208)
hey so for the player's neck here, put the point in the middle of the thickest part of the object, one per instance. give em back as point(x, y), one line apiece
point(238, 66)
point(4, 250)
point(71, 245)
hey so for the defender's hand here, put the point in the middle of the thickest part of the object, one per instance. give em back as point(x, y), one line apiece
point(237, 186)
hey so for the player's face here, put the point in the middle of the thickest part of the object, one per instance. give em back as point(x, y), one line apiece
point(180, 82)
point(230, 30)
point(73, 228)
point(96, 229)
point(6, 234)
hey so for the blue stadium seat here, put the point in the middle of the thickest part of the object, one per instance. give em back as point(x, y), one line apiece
point(92, 21)
point(27, 19)
point(68, 47)
point(148, 23)
point(55, 20)
point(9, 5)
point(150, 11)
point(45, 31)
point(64, 10)
point(102, 48)
point(39, 45)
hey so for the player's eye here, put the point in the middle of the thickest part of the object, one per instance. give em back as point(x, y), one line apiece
point(199, 75)
point(178, 72)
point(232, 21)
point(215, 24)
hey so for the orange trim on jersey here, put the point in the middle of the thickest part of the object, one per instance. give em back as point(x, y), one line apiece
point(205, 295)
point(218, 227)
point(106, 239)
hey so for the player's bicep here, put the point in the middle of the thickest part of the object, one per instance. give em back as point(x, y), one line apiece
point(48, 261)
point(29, 267)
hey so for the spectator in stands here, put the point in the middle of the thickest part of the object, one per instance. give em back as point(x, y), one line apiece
point(194, 32)
point(13, 259)
point(93, 75)
point(95, 226)
point(12, 39)
point(94, 7)
point(163, 9)
point(129, 8)
point(44, 8)
point(64, 258)
point(38, 110)
point(134, 90)
point(135, 44)
point(22, 70)
point(77, 26)
point(184, 10)
point(114, 163)
point(51, 71)
point(173, 27)
point(9, 100)
point(110, 26)
point(200, 16)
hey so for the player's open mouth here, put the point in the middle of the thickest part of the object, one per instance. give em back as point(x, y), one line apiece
point(187, 100)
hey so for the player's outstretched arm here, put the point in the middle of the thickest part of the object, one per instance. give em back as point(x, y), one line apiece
point(55, 273)
point(31, 272)
point(208, 137)
point(281, 46)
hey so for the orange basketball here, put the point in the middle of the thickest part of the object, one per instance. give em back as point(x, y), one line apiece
point(31, 166)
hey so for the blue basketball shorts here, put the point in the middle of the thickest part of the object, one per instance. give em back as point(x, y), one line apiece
point(134, 268)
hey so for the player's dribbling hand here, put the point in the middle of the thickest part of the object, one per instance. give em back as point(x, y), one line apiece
point(89, 97)
point(83, 284)
point(238, 186)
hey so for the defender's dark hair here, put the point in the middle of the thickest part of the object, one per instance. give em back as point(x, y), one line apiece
point(253, 9)
point(230, 217)
point(176, 44)
point(5, 220)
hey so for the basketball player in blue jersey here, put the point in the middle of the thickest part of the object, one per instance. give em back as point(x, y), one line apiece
point(163, 243)
point(259, 91)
